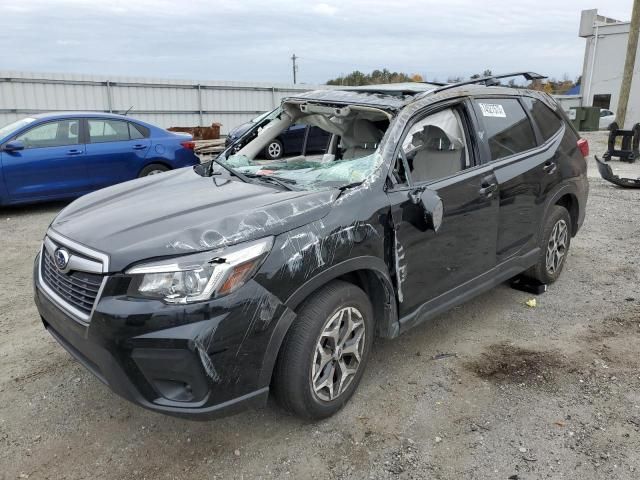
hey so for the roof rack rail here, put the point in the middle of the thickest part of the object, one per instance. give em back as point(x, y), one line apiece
point(490, 80)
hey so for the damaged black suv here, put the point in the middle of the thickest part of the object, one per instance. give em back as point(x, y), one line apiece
point(200, 291)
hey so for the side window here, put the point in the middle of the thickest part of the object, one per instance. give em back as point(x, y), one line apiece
point(548, 122)
point(507, 127)
point(101, 131)
point(51, 134)
point(137, 132)
point(435, 147)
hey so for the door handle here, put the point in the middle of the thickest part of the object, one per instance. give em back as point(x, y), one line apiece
point(74, 152)
point(550, 167)
point(488, 189)
point(139, 147)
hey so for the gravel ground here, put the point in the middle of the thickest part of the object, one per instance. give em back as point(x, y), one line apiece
point(527, 393)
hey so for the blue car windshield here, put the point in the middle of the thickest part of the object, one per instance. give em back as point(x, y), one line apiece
point(12, 127)
point(311, 148)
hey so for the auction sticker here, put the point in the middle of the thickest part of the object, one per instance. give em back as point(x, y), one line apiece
point(492, 110)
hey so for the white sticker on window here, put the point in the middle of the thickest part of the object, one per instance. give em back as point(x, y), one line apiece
point(492, 110)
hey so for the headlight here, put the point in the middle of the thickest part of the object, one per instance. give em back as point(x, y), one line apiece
point(198, 277)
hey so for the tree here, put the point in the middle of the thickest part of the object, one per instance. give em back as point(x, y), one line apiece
point(357, 77)
point(486, 73)
point(553, 86)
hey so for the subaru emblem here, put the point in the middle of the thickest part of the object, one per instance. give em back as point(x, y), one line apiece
point(61, 257)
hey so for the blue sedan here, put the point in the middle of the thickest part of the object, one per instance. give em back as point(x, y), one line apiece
point(65, 155)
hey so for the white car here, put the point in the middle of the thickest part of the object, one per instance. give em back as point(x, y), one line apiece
point(606, 118)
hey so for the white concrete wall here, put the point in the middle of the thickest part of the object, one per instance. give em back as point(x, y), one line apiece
point(606, 59)
point(166, 103)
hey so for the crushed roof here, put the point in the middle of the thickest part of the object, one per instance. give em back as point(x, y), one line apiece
point(396, 96)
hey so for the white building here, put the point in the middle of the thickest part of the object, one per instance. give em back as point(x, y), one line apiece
point(604, 57)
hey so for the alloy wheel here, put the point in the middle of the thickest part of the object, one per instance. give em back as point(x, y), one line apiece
point(556, 247)
point(338, 353)
point(274, 149)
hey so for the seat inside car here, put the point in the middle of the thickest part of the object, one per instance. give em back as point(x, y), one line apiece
point(360, 140)
point(436, 156)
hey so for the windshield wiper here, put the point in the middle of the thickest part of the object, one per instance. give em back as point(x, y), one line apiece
point(344, 188)
point(349, 185)
point(282, 182)
point(232, 171)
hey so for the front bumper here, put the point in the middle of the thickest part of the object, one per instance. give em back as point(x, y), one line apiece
point(199, 361)
point(607, 173)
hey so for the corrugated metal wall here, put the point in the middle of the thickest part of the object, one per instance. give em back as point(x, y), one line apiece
point(166, 103)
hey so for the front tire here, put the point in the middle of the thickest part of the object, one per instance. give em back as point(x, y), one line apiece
point(554, 247)
point(325, 351)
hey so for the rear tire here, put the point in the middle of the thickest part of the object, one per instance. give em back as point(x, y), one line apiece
point(153, 169)
point(325, 351)
point(274, 150)
point(554, 246)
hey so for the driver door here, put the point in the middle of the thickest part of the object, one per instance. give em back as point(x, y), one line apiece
point(52, 164)
point(437, 152)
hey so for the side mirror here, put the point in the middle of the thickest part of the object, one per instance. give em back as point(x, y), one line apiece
point(433, 208)
point(13, 146)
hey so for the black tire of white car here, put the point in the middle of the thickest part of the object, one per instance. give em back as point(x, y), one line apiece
point(153, 169)
point(274, 150)
point(553, 242)
point(309, 358)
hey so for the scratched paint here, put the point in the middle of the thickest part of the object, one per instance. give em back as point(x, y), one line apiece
point(401, 267)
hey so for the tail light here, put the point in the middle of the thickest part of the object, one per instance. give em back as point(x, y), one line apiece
point(189, 145)
point(583, 146)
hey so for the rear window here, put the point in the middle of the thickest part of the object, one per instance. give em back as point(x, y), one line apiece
point(548, 122)
point(507, 127)
point(138, 131)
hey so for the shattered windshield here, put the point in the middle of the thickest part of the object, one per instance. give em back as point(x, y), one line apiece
point(310, 146)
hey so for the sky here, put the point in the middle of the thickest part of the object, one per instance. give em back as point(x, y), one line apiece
point(254, 40)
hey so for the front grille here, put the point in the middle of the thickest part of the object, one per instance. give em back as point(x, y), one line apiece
point(79, 289)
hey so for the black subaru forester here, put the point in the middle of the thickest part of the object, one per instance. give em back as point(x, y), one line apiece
point(200, 291)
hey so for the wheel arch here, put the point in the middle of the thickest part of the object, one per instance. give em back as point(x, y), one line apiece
point(368, 273)
point(152, 161)
point(570, 202)
point(566, 196)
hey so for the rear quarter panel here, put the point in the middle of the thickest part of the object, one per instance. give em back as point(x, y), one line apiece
point(167, 149)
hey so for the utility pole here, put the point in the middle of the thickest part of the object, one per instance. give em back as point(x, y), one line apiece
point(629, 64)
point(295, 67)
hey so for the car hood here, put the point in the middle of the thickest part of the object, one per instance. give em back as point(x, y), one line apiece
point(181, 211)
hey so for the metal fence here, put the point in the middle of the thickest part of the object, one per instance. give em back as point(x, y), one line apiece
point(166, 103)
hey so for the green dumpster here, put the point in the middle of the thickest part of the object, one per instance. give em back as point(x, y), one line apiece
point(585, 119)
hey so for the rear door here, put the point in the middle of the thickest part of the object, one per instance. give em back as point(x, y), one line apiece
point(293, 139)
point(439, 153)
point(51, 164)
point(317, 140)
point(523, 156)
point(116, 150)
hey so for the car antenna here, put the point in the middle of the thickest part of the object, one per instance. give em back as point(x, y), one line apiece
point(127, 112)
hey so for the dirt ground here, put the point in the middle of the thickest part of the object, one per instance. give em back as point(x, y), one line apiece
point(526, 393)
